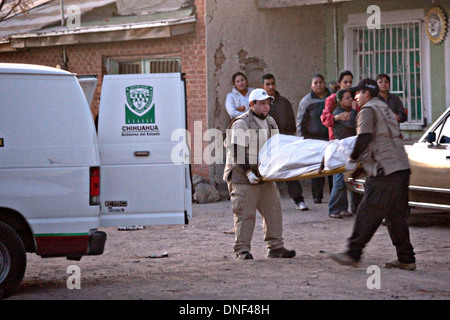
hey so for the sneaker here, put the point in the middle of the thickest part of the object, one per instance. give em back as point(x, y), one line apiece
point(400, 265)
point(343, 259)
point(336, 216)
point(345, 213)
point(280, 253)
point(317, 200)
point(301, 206)
point(245, 255)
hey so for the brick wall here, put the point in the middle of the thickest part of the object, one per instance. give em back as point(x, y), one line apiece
point(91, 58)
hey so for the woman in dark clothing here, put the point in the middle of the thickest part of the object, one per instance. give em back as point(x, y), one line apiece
point(338, 205)
point(393, 100)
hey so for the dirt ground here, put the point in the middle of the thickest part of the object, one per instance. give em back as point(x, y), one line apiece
point(200, 263)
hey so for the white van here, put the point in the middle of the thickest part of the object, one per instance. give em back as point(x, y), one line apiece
point(140, 183)
point(55, 191)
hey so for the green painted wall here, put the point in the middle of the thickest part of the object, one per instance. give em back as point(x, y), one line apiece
point(437, 71)
point(342, 10)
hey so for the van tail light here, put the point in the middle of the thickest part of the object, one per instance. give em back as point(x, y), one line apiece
point(94, 186)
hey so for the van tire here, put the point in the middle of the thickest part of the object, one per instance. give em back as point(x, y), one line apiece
point(13, 260)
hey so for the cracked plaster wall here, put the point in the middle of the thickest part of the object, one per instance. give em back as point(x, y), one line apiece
point(287, 42)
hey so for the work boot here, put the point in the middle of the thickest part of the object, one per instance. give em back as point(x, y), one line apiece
point(400, 265)
point(245, 255)
point(280, 253)
point(343, 259)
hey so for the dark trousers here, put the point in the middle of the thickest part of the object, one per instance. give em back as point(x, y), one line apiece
point(317, 185)
point(355, 200)
point(295, 190)
point(385, 197)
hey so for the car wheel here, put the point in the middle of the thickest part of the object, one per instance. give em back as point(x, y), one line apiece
point(13, 260)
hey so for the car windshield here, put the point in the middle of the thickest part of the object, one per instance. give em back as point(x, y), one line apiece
point(443, 131)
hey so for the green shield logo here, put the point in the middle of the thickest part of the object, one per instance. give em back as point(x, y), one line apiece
point(139, 108)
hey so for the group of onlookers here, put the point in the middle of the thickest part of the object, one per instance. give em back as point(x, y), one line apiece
point(367, 111)
point(322, 115)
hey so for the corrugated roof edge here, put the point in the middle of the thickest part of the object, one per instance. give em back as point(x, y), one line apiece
point(59, 31)
point(22, 68)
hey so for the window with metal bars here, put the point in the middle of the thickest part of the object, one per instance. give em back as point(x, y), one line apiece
point(394, 49)
point(159, 65)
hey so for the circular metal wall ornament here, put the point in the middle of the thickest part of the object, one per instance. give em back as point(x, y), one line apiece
point(436, 24)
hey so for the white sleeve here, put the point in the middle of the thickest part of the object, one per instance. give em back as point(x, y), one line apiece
point(230, 105)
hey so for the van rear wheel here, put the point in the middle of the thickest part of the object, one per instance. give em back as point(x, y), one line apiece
point(13, 260)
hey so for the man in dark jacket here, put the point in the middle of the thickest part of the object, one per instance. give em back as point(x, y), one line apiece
point(281, 110)
point(310, 126)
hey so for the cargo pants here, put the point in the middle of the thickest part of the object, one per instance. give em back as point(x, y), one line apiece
point(385, 197)
point(245, 200)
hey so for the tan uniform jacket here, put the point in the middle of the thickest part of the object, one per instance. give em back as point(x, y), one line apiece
point(245, 131)
point(386, 151)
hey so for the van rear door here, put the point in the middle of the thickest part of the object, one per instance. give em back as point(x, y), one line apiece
point(140, 182)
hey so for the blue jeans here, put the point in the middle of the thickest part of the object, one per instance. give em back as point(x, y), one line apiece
point(338, 197)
